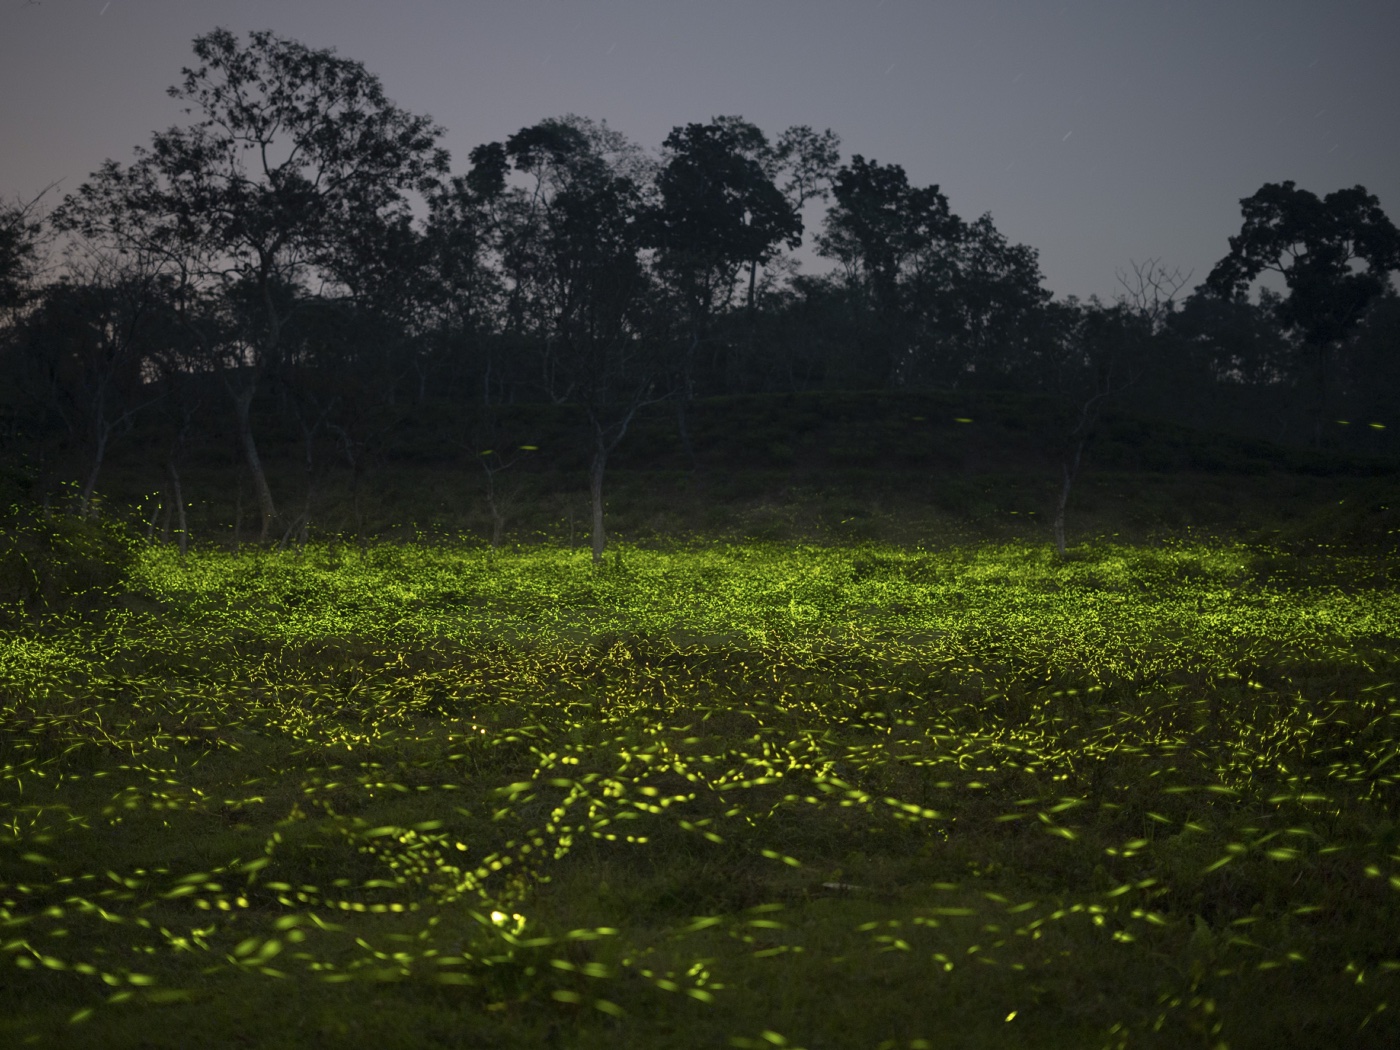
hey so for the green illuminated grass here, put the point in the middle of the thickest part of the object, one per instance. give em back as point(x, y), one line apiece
point(731, 796)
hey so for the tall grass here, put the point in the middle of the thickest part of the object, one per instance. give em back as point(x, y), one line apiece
point(745, 795)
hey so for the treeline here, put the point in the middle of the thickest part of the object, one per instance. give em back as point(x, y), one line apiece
point(269, 249)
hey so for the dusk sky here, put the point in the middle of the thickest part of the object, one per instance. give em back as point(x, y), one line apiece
point(1099, 133)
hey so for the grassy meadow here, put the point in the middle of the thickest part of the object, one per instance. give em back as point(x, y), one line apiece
point(759, 794)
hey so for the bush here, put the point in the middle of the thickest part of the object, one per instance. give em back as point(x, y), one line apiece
point(58, 563)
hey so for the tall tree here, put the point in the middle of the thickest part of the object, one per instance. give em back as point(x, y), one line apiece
point(718, 211)
point(1089, 354)
point(21, 236)
point(977, 300)
point(330, 155)
point(86, 345)
point(586, 280)
point(463, 237)
point(1312, 243)
point(879, 228)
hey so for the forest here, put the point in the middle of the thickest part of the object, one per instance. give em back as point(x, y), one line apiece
point(519, 607)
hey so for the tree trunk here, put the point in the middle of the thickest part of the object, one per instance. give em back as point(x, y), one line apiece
point(498, 520)
point(595, 491)
point(181, 522)
point(1069, 469)
point(99, 454)
point(243, 400)
point(752, 318)
point(155, 514)
point(683, 401)
point(1319, 394)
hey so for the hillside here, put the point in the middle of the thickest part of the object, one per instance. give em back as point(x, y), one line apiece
point(909, 467)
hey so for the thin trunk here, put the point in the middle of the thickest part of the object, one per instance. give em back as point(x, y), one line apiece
point(683, 401)
point(595, 491)
point(498, 521)
point(244, 403)
point(1069, 470)
point(604, 441)
point(752, 314)
point(99, 454)
point(238, 518)
point(303, 523)
point(498, 525)
point(151, 525)
point(181, 522)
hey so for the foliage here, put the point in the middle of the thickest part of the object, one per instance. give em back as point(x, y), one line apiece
point(1312, 244)
point(748, 795)
point(59, 562)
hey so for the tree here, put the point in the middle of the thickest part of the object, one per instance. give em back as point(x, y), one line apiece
point(1312, 243)
point(86, 346)
point(21, 237)
point(978, 301)
point(718, 211)
point(879, 228)
point(1373, 376)
point(580, 269)
point(1096, 353)
point(330, 156)
point(463, 239)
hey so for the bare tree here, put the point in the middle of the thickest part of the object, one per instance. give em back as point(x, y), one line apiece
point(1151, 294)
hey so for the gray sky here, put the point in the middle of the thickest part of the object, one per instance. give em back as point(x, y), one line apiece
point(1097, 132)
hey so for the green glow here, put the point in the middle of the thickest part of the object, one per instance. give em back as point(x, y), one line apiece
point(756, 793)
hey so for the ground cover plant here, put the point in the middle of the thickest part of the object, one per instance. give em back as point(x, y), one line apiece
point(748, 795)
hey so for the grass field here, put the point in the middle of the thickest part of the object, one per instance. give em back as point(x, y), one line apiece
point(748, 795)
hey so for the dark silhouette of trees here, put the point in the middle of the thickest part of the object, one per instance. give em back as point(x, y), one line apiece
point(22, 235)
point(466, 289)
point(879, 228)
point(978, 305)
point(580, 272)
point(85, 349)
point(268, 248)
point(718, 211)
point(330, 157)
point(1312, 243)
point(941, 300)
point(1089, 354)
point(1372, 376)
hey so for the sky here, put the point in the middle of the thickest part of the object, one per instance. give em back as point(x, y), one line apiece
point(1103, 133)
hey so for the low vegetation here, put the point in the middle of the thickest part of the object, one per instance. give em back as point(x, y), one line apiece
point(761, 795)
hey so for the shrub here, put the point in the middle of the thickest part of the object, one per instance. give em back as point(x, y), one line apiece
point(56, 563)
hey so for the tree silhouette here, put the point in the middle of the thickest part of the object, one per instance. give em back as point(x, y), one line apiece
point(718, 211)
point(330, 157)
point(579, 252)
point(1312, 244)
point(879, 228)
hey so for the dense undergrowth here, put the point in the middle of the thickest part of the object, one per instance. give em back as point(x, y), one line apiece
point(748, 795)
